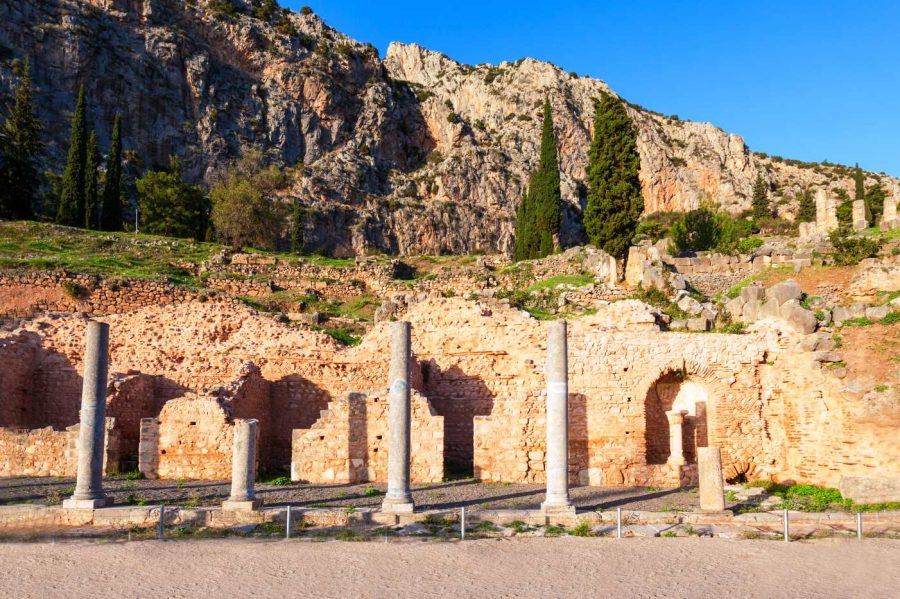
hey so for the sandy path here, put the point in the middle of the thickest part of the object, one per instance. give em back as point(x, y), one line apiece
point(486, 568)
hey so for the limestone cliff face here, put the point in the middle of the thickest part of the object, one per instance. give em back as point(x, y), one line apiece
point(415, 153)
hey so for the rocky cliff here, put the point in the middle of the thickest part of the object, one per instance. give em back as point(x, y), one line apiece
point(415, 153)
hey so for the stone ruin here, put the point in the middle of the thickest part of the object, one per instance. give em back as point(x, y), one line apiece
point(181, 376)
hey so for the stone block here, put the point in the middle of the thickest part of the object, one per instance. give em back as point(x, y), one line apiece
point(735, 308)
point(844, 313)
point(750, 311)
point(86, 504)
point(784, 291)
point(802, 320)
point(753, 293)
point(242, 506)
point(870, 489)
point(699, 324)
point(877, 312)
point(689, 304)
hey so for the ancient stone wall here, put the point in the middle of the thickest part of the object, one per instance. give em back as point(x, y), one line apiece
point(24, 294)
point(349, 442)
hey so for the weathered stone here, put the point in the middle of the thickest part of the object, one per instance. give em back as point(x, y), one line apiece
point(701, 323)
point(243, 467)
point(802, 320)
point(753, 293)
point(689, 304)
point(871, 489)
point(877, 312)
point(709, 465)
point(840, 314)
point(784, 291)
point(735, 309)
point(859, 215)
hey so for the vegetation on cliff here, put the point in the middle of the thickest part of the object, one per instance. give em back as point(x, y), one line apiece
point(614, 202)
point(20, 150)
point(539, 214)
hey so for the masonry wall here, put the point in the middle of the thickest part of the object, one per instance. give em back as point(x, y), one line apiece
point(349, 442)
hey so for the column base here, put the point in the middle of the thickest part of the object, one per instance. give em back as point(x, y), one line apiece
point(86, 504)
point(676, 461)
point(398, 506)
point(242, 506)
point(556, 508)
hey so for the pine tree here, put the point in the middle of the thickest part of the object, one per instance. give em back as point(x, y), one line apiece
point(806, 212)
point(761, 198)
point(614, 202)
point(111, 207)
point(859, 181)
point(539, 215)
point(91, 181)
point(72, 200)
point(20, 150)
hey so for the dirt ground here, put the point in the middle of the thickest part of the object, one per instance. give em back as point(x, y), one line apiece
point(563, 567)
point(446, 495)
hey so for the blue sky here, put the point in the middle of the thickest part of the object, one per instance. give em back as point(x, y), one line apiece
point(806, 80)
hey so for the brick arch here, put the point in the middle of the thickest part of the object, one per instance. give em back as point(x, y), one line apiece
point(724, 402)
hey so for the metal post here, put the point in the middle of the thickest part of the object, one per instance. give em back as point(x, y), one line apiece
point(787, 534)
point(859, 525)
point(287, 527)
point(618, 523)
point(162, 521)
point(462, 523)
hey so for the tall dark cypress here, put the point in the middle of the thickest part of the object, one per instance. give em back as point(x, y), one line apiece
point(71, 201)
point(760, 202)
point(614, 202)
point(297, 227)
point(111, 205)
point(91, 181)
point(20, 150)
point(859, 181)
point(806, 211)
point(539, 216)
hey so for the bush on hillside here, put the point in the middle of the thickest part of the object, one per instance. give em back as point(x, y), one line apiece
point(850, 249)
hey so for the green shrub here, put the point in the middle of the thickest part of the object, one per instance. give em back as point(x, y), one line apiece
point(583, 529)
point(306, 11)
point(748, 244)
point(453, 118)
point(707, 228)
point(371, 492)
point(891, 318)
point(651, 229)
point(343, 336)
point(74, 290)
point(849, 250)
point(859, 321)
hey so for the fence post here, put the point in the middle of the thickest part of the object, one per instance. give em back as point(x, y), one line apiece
point(287, 527)
point(787, 529)
point(859, 526)
point(462, 524)
point(162, 521)
point(618, 523)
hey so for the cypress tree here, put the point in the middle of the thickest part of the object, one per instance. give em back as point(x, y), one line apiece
point(614, 202)
point(71, 201)
point(297, 227)
point(91, 180)
point(806, 212)
point(760, 198)
point(860, 183)
point(539, 215)
point(20, 150)
point(111, 207)
point(875, 197)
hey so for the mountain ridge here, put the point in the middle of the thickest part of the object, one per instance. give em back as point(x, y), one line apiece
point(412, 153)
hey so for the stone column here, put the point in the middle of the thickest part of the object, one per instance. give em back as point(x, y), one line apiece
point(92, 427)
point(398, 498)
point(821, 211)
point(557, 470)
point(712, 491)
point(676, 446)
point(889, 214)
point(243, 467)
point(859, 215)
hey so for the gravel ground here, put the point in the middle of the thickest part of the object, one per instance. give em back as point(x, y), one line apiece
point(446, 495)
point(561, 567)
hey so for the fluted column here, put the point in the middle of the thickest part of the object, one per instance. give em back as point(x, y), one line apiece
point(398, 497)
point(92, 430)
point(557, 469)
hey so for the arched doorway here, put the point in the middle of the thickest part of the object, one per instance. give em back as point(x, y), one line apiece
point(675, 390)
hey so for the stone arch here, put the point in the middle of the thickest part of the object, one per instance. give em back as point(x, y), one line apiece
point(692, 388)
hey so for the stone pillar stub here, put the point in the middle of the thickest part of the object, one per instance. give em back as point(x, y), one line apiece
point(859, 215)
point(398, 498)
point(243, 467)
point(712, 484)
point(889, 213)
point(676, 446)
point(92, 430)
point(557, 469)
